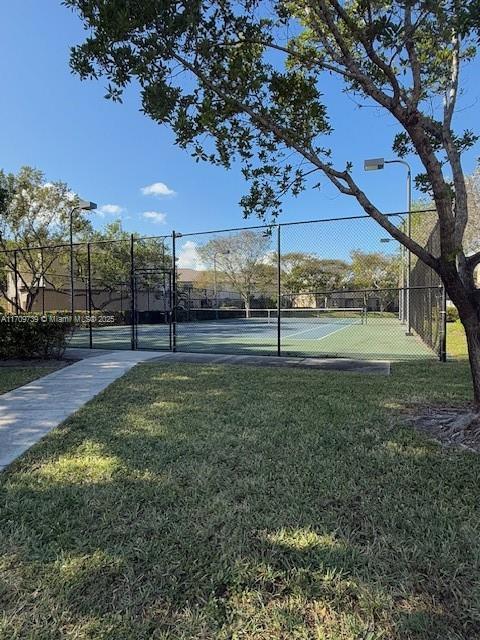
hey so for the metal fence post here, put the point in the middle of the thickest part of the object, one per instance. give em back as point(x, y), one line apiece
point(72, 276)
point(15, 270)
point(169, 316)
point(42, 280)
point(279, 294)
point(89, 275)
point(443, 326)
point(174, 294)
point(132, 291)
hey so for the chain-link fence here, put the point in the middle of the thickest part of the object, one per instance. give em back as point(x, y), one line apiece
point(220, 278)
point(328, 288)
point(153, 293)
point(427, 312)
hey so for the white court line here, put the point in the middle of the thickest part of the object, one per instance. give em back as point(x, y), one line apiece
point(336, 331)
point(297, 333)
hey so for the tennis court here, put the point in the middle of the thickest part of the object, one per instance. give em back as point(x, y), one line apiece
point(339, 296)
point(308, 332)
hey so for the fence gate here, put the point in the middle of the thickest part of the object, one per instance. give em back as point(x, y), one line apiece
point(152, 309)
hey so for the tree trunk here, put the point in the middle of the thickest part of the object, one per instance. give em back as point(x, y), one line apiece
point(31, 297)
point(465, 297)
point(472, 333)
point(246, 302)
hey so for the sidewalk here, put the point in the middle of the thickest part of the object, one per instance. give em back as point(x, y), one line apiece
point(30, 412)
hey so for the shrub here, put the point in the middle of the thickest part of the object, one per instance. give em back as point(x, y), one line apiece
point(452, 314)
point(33, 336)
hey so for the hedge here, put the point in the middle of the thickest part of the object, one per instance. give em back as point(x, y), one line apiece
point(33, 336)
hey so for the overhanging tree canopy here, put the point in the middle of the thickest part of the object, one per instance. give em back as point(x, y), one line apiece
point(248, 74)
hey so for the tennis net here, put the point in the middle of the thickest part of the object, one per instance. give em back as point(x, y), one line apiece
point(333, 315)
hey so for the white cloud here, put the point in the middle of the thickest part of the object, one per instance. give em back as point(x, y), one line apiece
point(110, 209)
point(157, 189)
point(155, 216)
point(188, 257)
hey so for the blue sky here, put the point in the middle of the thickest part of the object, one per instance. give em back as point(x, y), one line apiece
point(108, 152)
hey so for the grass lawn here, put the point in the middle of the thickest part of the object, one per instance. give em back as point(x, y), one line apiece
point(218, 502)
point(13, 377)
point(456, 341)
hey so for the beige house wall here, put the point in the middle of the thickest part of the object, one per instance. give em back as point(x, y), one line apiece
point(60, 300)
point(50, 300)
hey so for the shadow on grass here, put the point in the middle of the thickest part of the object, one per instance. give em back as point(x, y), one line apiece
point(218, 502)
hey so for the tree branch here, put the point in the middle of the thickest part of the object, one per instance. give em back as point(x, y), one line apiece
point(410, 118)
point(308, 61)
point(473, 260)
point(461, 206)
point(351, 188)
point(342, 179)
point(452, 89)
point(368, 46)
point(412, 54)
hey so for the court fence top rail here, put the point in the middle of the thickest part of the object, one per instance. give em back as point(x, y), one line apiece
point(181, 234)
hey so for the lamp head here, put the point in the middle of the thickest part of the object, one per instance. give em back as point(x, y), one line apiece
point(86, 205)
point(374, 164)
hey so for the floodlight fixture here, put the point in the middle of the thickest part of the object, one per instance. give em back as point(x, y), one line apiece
point(374, 164)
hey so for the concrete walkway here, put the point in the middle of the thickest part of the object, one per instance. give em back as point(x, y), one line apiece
point(30, 412)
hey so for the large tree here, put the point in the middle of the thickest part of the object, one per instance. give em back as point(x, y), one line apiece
point(238, 260)
point(34, 219)
point(378, 274)
point(248, 74)
point(110, 265)
point(307, 273)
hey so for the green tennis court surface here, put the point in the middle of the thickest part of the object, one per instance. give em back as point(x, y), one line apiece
point(351, 335)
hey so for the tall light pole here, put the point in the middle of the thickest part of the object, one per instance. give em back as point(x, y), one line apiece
point(375, 164)
point(81, 205)
point(401, 294)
